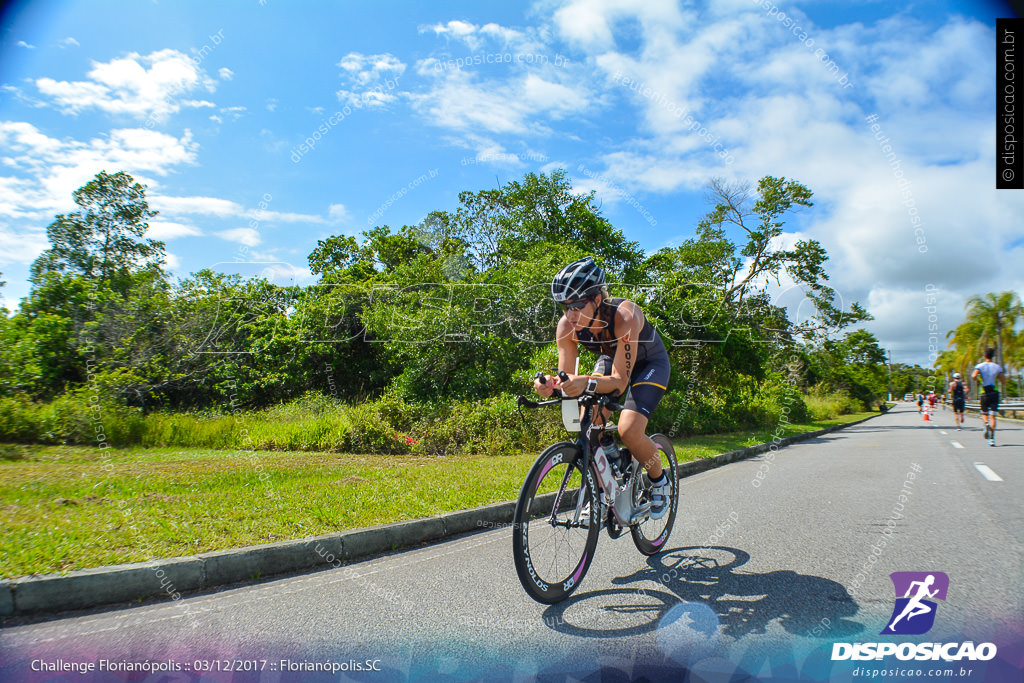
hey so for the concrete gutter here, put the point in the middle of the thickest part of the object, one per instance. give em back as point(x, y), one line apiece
point(170, 578)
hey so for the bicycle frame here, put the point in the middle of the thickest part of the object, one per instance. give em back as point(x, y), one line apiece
point(606, 481)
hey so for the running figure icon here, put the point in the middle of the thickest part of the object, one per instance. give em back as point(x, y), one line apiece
point(915, 607)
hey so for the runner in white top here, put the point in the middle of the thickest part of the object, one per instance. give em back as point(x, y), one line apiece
point(989, 372)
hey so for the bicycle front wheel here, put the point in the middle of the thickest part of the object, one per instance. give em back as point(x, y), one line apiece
point(553, 547)
point(651, 535)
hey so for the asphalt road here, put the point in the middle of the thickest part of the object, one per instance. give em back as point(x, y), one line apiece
point(762, 576)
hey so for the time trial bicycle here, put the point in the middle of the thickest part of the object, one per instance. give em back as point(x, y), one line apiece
point(574, 490)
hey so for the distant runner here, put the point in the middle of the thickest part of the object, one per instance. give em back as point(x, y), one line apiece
point(989, 372)
point(958, 390)
point(920, 402)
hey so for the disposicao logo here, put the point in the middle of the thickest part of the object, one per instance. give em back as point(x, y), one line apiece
point(914, 614)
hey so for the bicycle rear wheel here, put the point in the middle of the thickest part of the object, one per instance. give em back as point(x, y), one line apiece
point(651, 535)
point(552, 552)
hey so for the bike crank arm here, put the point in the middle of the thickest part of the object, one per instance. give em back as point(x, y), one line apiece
point(641, 514)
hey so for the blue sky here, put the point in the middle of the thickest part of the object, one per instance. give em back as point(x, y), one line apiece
point(407, 104)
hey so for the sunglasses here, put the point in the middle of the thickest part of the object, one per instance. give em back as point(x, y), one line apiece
point(576, 305)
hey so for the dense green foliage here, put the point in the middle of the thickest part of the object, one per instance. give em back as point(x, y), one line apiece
point(421, 331)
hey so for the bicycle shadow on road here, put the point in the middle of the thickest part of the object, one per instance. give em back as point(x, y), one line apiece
point(731, 603)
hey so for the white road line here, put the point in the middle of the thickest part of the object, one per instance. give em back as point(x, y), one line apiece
point(941, 432)
point(987, 472)
point(957, 444)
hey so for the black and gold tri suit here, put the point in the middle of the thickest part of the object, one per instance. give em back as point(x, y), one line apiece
point(651, 370)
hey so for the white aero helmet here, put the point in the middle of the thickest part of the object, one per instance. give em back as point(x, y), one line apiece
point(578, 280)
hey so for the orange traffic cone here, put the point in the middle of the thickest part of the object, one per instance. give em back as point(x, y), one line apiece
point(926, 418)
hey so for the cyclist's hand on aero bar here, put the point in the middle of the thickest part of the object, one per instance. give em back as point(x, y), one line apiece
point(546, 387)
point(575, 385)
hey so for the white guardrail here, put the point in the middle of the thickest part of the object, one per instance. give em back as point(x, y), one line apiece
point(1006, 405)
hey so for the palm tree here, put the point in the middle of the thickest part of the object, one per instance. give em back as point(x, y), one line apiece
point(1015, 355)
point(995, 315)
point(967, 344)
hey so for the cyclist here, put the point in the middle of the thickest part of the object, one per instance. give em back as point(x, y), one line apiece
point(989, 373)
point(958, 390)
point(632, 358)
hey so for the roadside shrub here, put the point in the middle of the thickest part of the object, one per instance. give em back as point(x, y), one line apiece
point(19, 421)
point(490, 426)
point(828, 406)
point(774, 399)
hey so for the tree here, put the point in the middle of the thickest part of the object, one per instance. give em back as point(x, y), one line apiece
point(499, 225)
point(97, 291)
point(994, 316)
point(760, 259)
point(854, 364)
point(105, 240)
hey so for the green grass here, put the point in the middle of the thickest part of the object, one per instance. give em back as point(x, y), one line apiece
point(72, 507)
point(709, 445)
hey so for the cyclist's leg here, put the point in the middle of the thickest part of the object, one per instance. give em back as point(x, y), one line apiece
point(644, 396)
point(633, 432)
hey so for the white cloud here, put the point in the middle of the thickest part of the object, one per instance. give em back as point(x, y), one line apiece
point(173, 262)
point(461, 30)
point(271, 104)
point(22, 43)
point(210, 206)
point(224, 208)
point(169, 230)
point(593, 24)
point(47, 170)
point(21, 246)
point(68, 42)
point(247, 236)
point(225, 73)
point(234, 113)
point(370, 80)
point(514, 106)
point(368, 70)
point(337, 213)
point(126, 86)
point(475, 37)
point(283, 217)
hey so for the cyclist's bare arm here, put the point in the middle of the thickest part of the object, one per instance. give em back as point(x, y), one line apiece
point(629, 321)
point(567, 355)
point(628, 324)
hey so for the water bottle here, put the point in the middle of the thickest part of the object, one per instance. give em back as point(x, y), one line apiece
point(608, 446)
point(625, 459)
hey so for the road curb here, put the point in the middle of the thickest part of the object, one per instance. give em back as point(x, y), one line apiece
point(170, 578)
